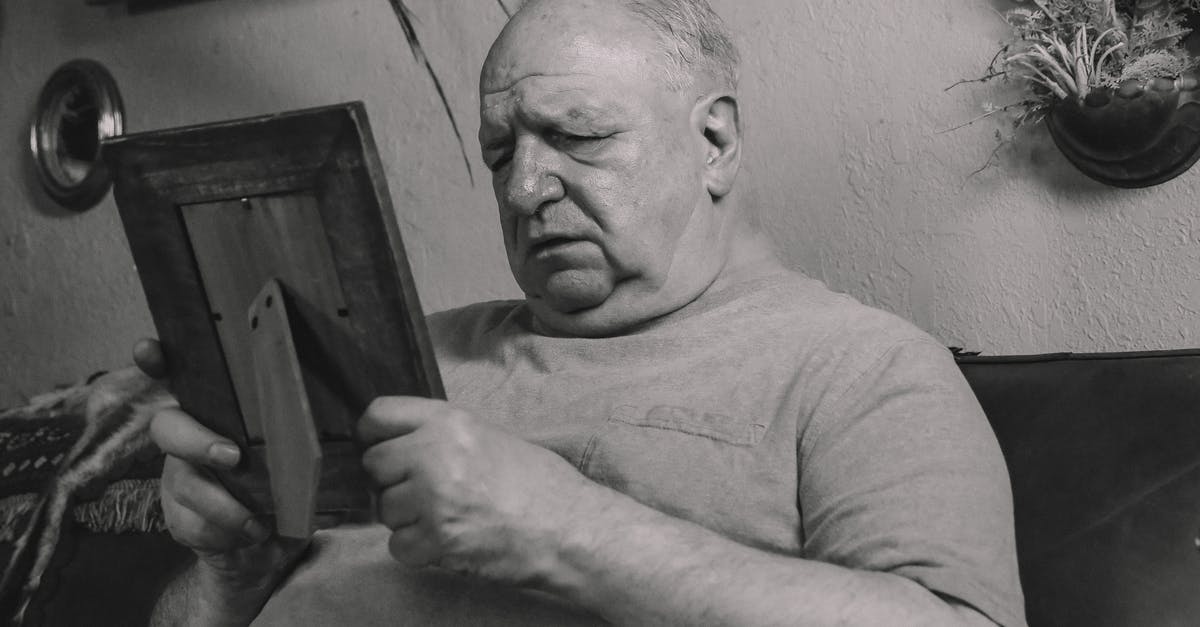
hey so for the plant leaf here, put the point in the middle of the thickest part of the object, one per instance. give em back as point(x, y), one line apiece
point(414, 44)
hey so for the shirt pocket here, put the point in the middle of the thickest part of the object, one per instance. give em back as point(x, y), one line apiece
point(712, 467)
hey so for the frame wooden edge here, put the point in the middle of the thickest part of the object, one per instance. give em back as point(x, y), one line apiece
point(144, 165)
point(418, 330)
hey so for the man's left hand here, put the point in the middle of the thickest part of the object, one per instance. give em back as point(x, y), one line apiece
point(467, 496)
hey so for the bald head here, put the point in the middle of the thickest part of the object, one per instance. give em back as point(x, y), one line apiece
point(692, 41)
point(693, 38)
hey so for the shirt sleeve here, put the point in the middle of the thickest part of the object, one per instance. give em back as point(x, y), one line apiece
point(901, 473)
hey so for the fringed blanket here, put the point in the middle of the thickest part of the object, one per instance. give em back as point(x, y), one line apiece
point(63, 455)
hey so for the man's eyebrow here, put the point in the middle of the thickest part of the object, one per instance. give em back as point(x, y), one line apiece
point(551, 112)
point(547, 109)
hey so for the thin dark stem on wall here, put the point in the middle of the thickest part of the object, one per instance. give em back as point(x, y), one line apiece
point(414, 44)
point(991, 160)
point(503, 7)
point(981, 79)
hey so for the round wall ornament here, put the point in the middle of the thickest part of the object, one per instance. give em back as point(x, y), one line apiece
point(78, 108)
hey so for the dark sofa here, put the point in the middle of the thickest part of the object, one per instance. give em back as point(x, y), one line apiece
point(1104, 455)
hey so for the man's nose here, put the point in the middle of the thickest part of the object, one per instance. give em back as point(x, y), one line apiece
point(533, 180)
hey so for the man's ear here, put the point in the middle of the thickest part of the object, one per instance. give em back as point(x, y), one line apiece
point(718, 120)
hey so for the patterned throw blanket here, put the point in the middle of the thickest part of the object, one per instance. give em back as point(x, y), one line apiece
point(62, 456)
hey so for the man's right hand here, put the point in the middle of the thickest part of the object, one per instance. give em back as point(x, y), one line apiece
point(239, 561)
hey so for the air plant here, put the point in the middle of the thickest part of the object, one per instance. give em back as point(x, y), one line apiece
point(1064, 50)
point(1066, 72)
point(1111, 42)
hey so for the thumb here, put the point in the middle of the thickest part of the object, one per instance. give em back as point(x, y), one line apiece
point(149, 358)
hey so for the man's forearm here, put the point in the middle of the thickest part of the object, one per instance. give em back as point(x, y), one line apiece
point(634, 565)
point(197, 598)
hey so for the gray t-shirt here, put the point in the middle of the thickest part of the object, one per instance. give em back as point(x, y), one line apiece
point(773, 411)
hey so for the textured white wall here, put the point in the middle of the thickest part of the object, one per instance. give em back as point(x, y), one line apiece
point(847, 160)
point(70, 301)
point(843, 99)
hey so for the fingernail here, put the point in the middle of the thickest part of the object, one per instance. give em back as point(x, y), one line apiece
point(255, 531)
point(224, 454)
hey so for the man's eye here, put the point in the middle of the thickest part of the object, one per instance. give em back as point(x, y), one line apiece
point(570, 141)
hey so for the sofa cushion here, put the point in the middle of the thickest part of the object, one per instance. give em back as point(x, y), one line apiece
point(1104, 455)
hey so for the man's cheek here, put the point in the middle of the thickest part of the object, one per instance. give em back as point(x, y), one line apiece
point(508, 229)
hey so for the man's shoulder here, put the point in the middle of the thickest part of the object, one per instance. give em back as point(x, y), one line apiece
point(832, 340)
point(808, 309)
point(465, 325)
point(493, 310)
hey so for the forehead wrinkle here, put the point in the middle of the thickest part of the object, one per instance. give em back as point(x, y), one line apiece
point(520, 83)
point(546, 103)
point(546, 94)
point(558, 104)
point(518, 80)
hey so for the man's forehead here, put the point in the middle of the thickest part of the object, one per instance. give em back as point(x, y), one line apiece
point(552, 38)
point(579, 97)
point(581, 57)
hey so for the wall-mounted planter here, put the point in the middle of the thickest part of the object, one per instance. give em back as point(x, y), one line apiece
point(1142, 134)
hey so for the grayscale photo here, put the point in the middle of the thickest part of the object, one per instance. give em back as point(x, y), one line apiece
point(600, 312)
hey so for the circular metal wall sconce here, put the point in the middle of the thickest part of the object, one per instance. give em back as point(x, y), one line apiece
point(78, 108)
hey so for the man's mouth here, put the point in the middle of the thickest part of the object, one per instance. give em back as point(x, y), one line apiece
point(547, 246)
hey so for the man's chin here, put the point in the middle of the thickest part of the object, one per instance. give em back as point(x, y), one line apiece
point(574, 302)
point(585, 304)
point(572, 290)
point(595, 321)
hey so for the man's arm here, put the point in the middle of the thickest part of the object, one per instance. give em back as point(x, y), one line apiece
point(466, 496)
point(195, 597)
point(636, 566)
point(238, 560)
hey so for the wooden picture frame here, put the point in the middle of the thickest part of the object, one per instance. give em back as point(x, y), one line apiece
point(215, 215)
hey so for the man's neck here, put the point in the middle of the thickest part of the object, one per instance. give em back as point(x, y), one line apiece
point(751, 256)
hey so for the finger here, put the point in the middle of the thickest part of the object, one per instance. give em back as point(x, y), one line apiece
point(179, 435)
point(401, 505)
point(391, 461)
point(198, 533)
point(201, 513)
point(149, 358)
point(412, 546)
point(393, 416)
point(204, 536)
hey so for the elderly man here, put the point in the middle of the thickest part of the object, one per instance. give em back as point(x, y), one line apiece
point(669, 429)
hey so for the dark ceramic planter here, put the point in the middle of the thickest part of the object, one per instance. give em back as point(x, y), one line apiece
point(1142, 134)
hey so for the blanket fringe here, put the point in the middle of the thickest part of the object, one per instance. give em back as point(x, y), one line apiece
point(126, 506)
point(14, 512)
